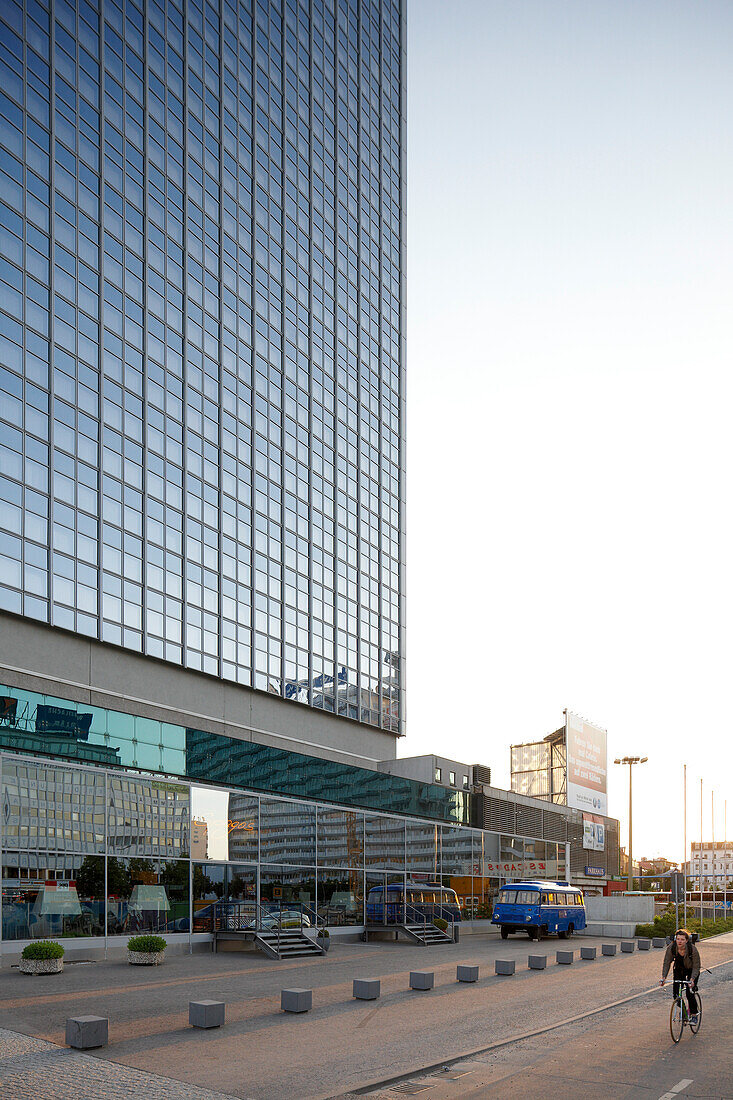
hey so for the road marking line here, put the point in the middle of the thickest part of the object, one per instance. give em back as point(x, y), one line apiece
point(676, 1089)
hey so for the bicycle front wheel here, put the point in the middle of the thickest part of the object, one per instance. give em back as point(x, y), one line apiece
point(676, 1020)
point(694, 1028)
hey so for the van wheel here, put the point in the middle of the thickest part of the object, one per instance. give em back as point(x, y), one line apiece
point(543, 932)
point(534, 933)
point(504, 932)
point(571, 929)
point(561, 935)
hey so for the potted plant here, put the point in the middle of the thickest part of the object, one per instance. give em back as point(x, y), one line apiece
point(323, 939)
point(440, 923)
point(42, 957)
point(146, 950)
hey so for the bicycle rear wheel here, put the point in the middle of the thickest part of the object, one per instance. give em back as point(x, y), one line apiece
point(694, 1028)
point(676, 1020)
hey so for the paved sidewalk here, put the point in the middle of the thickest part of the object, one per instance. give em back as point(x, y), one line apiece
point(33, 1069)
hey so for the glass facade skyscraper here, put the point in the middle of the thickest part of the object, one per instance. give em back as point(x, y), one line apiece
point(201, 330)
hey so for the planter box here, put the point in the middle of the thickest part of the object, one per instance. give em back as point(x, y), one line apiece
point(41, 966)
point(324, 942)
point(145, 958)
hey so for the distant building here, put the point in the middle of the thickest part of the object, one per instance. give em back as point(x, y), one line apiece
point(199, 839)
point(711, 864)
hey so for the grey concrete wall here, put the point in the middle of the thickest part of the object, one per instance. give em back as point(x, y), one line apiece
point(51, 661)
point(619, 908)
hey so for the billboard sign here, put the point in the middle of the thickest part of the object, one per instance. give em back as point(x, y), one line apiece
point(594, 833)
point(586, 766)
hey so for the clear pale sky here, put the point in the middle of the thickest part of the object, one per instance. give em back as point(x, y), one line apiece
point(570, 279)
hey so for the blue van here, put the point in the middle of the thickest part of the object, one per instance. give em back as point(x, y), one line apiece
point(416, 901)
point(539, 908)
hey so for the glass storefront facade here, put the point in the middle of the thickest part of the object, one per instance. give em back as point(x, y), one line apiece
point(201, 328)
point(89, 852)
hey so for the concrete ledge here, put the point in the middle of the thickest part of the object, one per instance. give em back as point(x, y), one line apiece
point(296, 1000)
point(628, 947)
point(659, 941)
point(587, 952)
point(466, 973)
point(613, 929)
point(504, 966)
point(366, 989)
point(564, 958)
point(422, 979)
point(608, 948)
point(537, 962)
point(87, 1032)
point(644, 945)
point(206, 1014)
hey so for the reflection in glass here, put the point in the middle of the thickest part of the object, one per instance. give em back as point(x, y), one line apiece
point(52, 807)
point(340, 838)
point(422, 846)
point(287, 832)
point(146, 817)
point(288, 890)
point(244, 827)
point(152, 897)
point(385, 841)
point(52, 896)
point(209, 824)
point(341, 897)
point(456, 851)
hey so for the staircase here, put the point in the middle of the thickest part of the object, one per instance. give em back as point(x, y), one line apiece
point(290, 943)
point(426, 934)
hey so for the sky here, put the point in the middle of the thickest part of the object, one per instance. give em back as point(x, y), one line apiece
point(569, 289)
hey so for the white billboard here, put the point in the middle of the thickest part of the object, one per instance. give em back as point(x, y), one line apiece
point(587, 765)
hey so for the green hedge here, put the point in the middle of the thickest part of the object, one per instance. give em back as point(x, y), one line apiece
point(440, 923)
point(43, 949)
point(148, 944)
point(665, 925)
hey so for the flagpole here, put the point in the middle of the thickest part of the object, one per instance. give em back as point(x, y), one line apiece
point(684, 860)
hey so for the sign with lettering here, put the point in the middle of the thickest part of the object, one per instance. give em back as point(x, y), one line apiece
point(586, 765)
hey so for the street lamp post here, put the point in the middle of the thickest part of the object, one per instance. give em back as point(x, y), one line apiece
point(630, 760)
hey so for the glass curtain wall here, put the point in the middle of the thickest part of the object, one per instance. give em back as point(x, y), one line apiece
point(86, 852)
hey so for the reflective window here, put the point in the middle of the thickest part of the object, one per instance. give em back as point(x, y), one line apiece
point(52, 808)
point(340, 838)
point(385, 842)
point(52, 896)
point(287, 832)
point(341, 897)
point(150, 896)
point(147, 817)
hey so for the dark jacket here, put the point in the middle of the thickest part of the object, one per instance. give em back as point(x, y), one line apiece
point(691, 960)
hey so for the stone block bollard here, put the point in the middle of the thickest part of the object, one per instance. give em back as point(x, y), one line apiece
point(627, 947)
point(422, 979)
point(366, 989)
point(608, 948)
point(504, 966)
point(206, 1014)
point(537, 962)
point(587, 952)
point(296, 1000)
point(659, 941)
point(564, 958)
point(644, 944)
point(87, 1032)
point(466, 973)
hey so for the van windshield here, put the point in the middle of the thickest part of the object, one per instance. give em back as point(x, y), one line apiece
point(519, 897)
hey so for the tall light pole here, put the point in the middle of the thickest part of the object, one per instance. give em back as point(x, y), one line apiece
point(631, 760)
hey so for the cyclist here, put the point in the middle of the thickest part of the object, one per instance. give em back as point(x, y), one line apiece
point(684, 958)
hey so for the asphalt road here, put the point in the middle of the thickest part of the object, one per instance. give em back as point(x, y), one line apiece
point(344, 1045)
point(625, 1054)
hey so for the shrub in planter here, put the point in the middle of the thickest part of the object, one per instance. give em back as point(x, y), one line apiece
point(146, 950)
point(323, 936)
point(440, 923)
point(42, 957)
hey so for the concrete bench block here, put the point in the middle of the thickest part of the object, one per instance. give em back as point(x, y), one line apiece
point(87, 1032)
point(466, 973)
point(608, 948)
point(504, 966)
point(366, 989)
point(564, 958)
point(644, 945)
point(587, 952)
point(537, 962)
point(628, 947)
point(296, 1000)
point(206, 1013)
point(422, 979)
point(659, 941)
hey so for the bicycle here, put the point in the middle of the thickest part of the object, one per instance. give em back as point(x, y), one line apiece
point(679, 1013)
